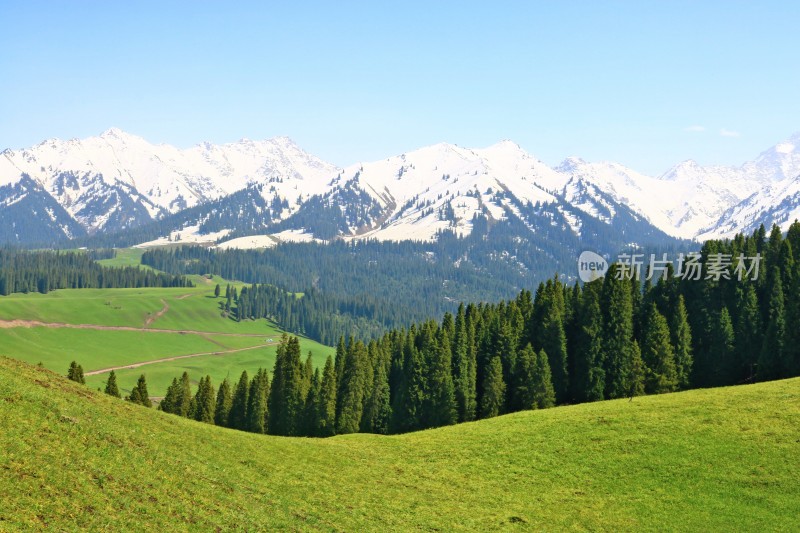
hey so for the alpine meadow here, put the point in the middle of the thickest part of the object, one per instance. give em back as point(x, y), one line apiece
point(418, 267)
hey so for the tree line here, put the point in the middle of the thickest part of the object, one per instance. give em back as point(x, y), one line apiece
point(615, 337)
point(43, 271)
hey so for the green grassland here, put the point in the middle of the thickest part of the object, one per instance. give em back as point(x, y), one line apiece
point(719, 459)
point(193, 310)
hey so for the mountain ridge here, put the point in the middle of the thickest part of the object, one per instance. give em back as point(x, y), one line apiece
point(118, 181)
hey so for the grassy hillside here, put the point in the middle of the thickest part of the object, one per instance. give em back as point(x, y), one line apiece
point(722, 459)
point(160, 323)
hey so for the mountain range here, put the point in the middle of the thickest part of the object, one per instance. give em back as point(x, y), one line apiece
point(257, 193)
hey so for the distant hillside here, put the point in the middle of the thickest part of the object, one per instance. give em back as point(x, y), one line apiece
point(722, 459)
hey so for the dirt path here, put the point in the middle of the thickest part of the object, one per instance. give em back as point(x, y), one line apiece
point(5, 324)
point(175, 358)
point(158, 314)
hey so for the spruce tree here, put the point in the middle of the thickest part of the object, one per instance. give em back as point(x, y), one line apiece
point(258, 407)
point(544, 395)
point(139, 394)
point(169, 404)
point(216, 291)
point(617, 335)
point(589, 379)
point(378, 411)
point(223, 405)
point(237, 418)
point(461, 379)
point(111, 386)
point(326, 407)
point(204, 402)
point(286, 402)
point(353, 389)
point(524, 378)
point(657, 354)
point(441, 402)
point(184, 397)
point(748, 334)
point(636, 372)
point(75, 373)
point(310, 425)
point(494, 390)
point(681, 336)
point(771, 359)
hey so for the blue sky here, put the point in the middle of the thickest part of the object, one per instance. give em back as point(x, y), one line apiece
point(644, 83)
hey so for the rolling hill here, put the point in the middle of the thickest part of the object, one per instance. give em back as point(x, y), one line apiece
point(721, 459)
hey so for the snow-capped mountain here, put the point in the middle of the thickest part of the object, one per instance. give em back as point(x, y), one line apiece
point(117, 180)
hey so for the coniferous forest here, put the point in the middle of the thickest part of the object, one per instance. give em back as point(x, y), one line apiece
point(616, 337)
point(43, 271)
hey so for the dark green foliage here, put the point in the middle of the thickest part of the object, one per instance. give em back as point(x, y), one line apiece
point(204, 402)
point(217, 291)
point(223, 405)
point(494, 390)
point(237, 418)
point(534, 389)
point(353, 388)
point(286, 401)
point(378, 411)
point(326, 404)
point(139, 394)
point(657, 354)
point(772, 359)
point(111, 385)
point(75, 373)
point(681, 337)
point(617, 335)
point(258, 406)
point(40, 271)
point(588, 373)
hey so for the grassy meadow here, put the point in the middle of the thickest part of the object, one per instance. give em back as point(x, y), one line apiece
point(154, 317)
point(721, 459)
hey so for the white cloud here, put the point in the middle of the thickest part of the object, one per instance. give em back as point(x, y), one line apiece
point(697, 129)
point(728, 133)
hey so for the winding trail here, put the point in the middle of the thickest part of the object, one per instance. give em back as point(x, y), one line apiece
point(5, 324)
point(158, 314)
point(175, 358)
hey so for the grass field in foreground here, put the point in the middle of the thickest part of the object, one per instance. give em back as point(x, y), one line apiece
point(719, 459)
point(192, 309)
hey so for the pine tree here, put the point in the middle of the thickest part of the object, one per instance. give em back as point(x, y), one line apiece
point(657, 354)
point(237, 418)
point(139, 394)
point(494, 390)
point(353, 389)
point(169, 404)
point(217, 291)
point(204, 402)
point(461, 381)
point(286, 402)
point(75, 373)
point(589, 379)
point(681, 336)
point(771, 359)
point(544, 395)
point(748, 334)
point(636, 372)
point(441, 402)
point(258, 407)
point(223, 405)
point(326, 407)
point(617, 335)
point(183, 401)
point(723, 366)
point(111, 386)
point(378, 411)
